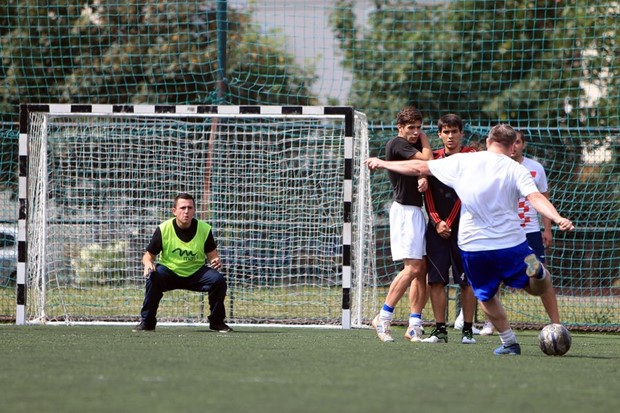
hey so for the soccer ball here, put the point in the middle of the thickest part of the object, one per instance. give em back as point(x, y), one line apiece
point(554, 340)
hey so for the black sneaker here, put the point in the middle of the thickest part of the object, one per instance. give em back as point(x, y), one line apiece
point(143, 327)
point(220, 327)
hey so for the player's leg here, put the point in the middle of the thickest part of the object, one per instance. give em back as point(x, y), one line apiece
point(550, 302)
point(496, 314)
point(468, 306)
point(548, 297)
point(407, 229)
point(468, 301)
point(438, 263)
point(439, 302)
point(485, 271)
point(417, 299)
point(159, 281)
point(214, 284)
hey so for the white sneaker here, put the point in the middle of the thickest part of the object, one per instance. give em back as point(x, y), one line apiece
point(458, 323)
point(488, 329)
point(383, 329)
point(414, 333)
point(437, 337)
point(468, 338)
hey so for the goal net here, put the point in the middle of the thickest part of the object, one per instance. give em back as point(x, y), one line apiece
point(283, 187)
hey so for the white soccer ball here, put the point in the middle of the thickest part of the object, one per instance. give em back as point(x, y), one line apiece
point(554, 340)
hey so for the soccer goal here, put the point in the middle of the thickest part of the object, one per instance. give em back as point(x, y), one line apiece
point(285, 189)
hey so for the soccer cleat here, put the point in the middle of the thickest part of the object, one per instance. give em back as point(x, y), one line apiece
point(512, 350)
point(437, 336)
point(488, 329)
point(143, 327)
point(220, 327)
point(383, 329)
point(468, 337)
point(414, 333)
point(534, 266)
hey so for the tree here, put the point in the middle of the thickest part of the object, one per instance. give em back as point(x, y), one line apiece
point(143, 52)
point(519, 61)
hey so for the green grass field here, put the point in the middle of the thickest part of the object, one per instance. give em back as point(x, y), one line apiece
point(268, 369)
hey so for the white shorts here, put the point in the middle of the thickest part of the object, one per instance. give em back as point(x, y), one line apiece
point(407, 232)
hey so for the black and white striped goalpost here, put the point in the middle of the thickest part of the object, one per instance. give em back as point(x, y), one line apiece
point(347, 113)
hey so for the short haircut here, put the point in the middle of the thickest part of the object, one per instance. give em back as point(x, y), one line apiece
point(184, 195)
point(522, 135)
point(450, 119)
point(503, 134)
point(408, 115)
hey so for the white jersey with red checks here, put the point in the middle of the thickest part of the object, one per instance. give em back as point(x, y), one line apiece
point(527, 213)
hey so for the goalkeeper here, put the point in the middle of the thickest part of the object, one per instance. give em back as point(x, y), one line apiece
point(188, 260)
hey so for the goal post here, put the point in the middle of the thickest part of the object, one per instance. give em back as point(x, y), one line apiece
point(284, 188)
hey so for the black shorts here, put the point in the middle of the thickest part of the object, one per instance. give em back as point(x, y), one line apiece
point(442, 255)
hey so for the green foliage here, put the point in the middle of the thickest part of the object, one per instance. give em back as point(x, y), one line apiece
point(488, 61)
point(136, 51)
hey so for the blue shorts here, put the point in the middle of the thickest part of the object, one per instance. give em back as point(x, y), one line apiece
point(534, 240)
point(487, 270)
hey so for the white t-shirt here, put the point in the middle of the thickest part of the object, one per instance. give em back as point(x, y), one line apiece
point(489, 185)
point(527, 213)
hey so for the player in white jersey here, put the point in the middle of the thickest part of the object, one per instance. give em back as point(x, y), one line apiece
point(537, 239)
point(494, 246)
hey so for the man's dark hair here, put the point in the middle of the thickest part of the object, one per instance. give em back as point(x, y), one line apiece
point(450, 119)
point(408, 115)
point(184, 195)
point(522, 135)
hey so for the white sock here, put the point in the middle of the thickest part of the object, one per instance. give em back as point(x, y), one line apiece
point(415, 321)
point(386, 315)
point(508, 337)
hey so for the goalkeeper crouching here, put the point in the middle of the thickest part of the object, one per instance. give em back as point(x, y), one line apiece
point(182, 254)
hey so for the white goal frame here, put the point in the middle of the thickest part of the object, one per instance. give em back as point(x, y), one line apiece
point(358, 275)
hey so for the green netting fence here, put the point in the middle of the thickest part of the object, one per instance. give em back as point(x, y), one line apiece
point(548, 67)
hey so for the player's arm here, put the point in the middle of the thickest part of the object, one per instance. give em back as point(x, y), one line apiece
point(427, 153)
point(542, 205)
point(213, 258)
point(409, 167)
point(148, 260)
point(547, 236)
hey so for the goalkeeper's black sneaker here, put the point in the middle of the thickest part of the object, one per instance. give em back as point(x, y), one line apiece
point(143, 327)
point(220, 327)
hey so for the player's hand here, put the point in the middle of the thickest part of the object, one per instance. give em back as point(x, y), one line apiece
point(148, 269)
point(374, 163)
point(422, 184)
point(215, 263)
point(565, 224)
point(443, 230)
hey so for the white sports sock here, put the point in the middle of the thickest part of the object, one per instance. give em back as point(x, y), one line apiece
point(508, 337)
point(386, 315)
